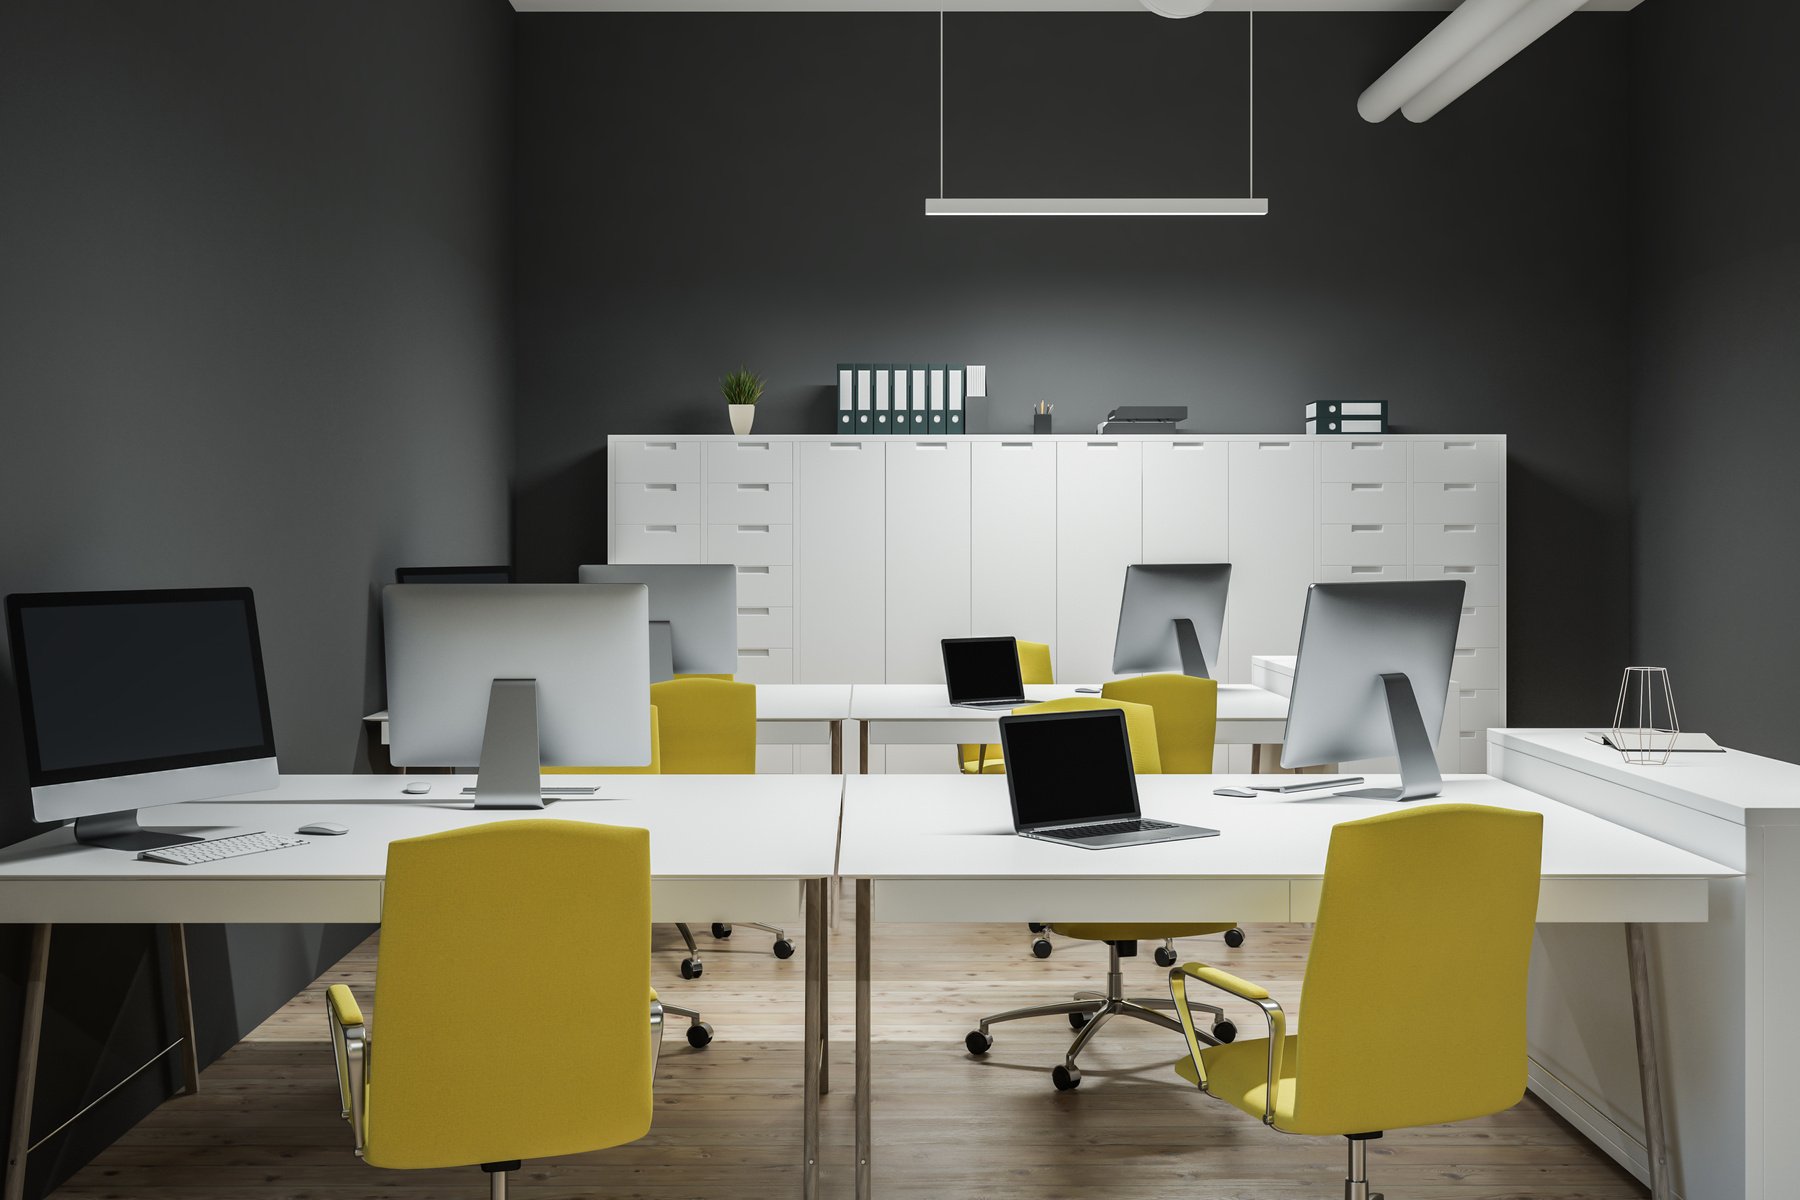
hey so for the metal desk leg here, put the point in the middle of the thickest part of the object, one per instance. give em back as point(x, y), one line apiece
point(31, 1030)
point(837, 747)
point(809, 1121)
point(1649, 1037)
point(826, 887)
point(864, 1067)
point(862, 764)
point(184, 1011)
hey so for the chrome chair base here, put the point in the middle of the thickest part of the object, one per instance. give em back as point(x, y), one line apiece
point(1356, 1175)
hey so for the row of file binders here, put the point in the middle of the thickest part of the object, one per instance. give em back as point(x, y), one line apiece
point(900, 398)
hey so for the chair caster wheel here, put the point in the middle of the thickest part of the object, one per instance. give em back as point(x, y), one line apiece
point(1164, 956)
point(691, 968)
point(1035, 926)
point(978, 1043)
point(699, 1036)
point(1234, 938)
point(721, 930)
point(1224, 1031)
point(1041, 947)
point(1079, 1020)
point(784, 949)
point(1066, 1078)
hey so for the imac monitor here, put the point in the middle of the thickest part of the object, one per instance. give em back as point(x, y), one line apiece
point(453, 575)
point(517, 678)
point(693, 614)
point(136, 699)
point(1171, 617)
point(1372, 678)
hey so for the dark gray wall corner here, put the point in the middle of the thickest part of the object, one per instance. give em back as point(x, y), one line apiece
point(1715, 364)
point(255, 328)
point(678, 218)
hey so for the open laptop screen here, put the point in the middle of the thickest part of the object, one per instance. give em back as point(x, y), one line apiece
point(1068, 767)
point(982, 669)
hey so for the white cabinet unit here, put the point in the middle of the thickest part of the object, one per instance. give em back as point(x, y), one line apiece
point(842, 570)
point(1012, 547)
point(927, 555)
point(1272, 526)
point(1099, 531)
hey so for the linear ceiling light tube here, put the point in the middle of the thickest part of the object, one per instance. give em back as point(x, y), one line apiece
point(1438, 50)
point(1531, 23)
point(1108, 207)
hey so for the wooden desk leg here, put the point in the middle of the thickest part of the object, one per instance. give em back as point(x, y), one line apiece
point(809, 1119)
point(1258, 754)
point(865, 920)
point(1644, 1018)
point(826, 886)
point(837, 747)
point(184, 1011)
point(31, 1030)
point(862, 766)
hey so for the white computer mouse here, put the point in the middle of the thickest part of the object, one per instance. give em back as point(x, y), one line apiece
point(324, 829)
point(1234, 793)
point(417, 789)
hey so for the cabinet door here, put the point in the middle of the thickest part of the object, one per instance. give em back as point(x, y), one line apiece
point(1271, 549)
point(927, 555)
point(841, 562)
point(1185, 488)
point(1012, 551)
point(1099, 532)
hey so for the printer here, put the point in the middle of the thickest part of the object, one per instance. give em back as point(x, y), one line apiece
point(1153, 418)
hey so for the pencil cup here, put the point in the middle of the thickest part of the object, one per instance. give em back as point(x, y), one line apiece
point(1040, 422)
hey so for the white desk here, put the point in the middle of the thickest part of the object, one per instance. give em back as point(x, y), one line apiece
point(940, 848)
point(719, 845)
point(920, 714)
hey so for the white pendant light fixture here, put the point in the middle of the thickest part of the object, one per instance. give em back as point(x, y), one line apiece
point(1248, 205)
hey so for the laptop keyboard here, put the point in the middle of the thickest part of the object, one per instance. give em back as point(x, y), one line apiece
point(1108, 828)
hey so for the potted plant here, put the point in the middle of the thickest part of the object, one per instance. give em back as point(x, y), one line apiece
point(742, 390)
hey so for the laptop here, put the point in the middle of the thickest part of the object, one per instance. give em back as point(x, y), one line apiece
point(983, 672)
point(1071, 781)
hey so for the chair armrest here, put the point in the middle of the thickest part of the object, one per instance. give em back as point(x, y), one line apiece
point(1225, 981)
point(350, 1045)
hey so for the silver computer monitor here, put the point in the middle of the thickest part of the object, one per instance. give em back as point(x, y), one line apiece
point(133, 699)
point(1372, 678)
point(517, 678)
point(1171, 618)
point(693, 614)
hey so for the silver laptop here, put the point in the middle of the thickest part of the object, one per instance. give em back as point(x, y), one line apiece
point(983, 672)
point(1071, 781)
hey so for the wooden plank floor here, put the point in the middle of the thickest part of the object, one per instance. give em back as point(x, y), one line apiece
point(265, 1126)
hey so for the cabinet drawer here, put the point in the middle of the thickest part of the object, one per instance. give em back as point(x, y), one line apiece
point(656, 504)
point(750, 462)
point(1480, 626)
point(1459, 460)
point(1486, 584)
point(1362, 503)
point(1472, 752)
point(1480, 709)
point(765, 586)
point(764, 628)
point(1479, 543)
point(1459, 503)
point(1361, 573)
point(1367, 544)
point(755, 545)
point(1478, 668)
point(774, 760)
point(656, 462)
point(1355, 460)
point(765, 666)
point(656, 543)
point(750, 503)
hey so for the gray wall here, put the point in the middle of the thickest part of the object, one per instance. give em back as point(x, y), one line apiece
point(700, 191)
point(1715, 380)
point(255, 328)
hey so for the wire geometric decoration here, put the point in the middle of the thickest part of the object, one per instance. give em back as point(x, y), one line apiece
point(1644, 722)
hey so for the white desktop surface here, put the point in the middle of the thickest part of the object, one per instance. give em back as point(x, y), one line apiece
point(1727, 785)
point(921, 713)
point(720, 846)
point(941, 848)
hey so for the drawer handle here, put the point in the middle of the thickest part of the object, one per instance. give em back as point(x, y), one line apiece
point(846, 445)
point(1367, 445)
point(1015, 445)
point(752, 528)
point(1465, 654)
point(931, 445)
point(1273, 445)
point(1466, 695)
point(1459, 570)
point(753, 612)
point(660, 445)
point(753, 570)
point(744, 652)
point(1459, 529)
point(1367, 570)
point(1365, 529)
point(661, 487)
point(1103, 445)
point(659, 529)
point(753, 445)
point(1459, 487)
point(1367, 487)
point(1189, 445)
point(1459, 445)
point(752, 487)
point(1468, 612)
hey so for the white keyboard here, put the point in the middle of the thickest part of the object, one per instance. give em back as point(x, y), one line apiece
point(189, 853)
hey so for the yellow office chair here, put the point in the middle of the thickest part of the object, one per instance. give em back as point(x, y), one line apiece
point(1034, 667)
point(1088, 1011)
point(517, 1018)
point(1440, 901)
point(709, 728)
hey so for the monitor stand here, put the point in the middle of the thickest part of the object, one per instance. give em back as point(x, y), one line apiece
point(1419, 775)
point(662, 652)
point(1193, 659)
point(510, 775)
point(121, 831)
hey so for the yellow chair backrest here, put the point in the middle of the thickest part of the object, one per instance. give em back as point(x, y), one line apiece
point(654, 767)
point(1187, 717)
point(1034, 667)
point(708, 726)
point(1435, 906)
point(512, 995)
point(1140, 726)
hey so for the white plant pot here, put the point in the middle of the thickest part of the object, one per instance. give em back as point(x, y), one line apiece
point(741, 417)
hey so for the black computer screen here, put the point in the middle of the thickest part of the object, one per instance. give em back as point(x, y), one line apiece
point(117, 683)
point(1073, 766)
point(453, 575)
point(981, 669)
